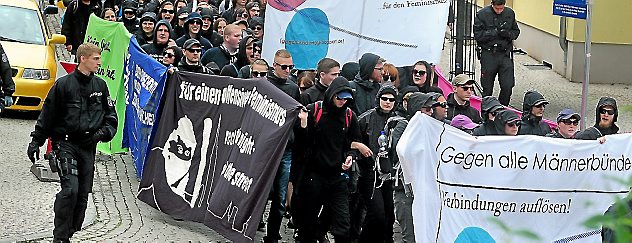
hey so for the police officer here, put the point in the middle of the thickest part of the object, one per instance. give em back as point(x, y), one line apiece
point(77, 113)
point(7, 87)
point(495, 28)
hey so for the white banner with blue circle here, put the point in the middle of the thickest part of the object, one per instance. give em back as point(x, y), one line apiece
point(510, 188)
point(402, 32)
point(144, 79)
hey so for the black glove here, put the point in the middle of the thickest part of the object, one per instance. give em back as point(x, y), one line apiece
point(504, 33)
point(33, 151)
point(98, 136)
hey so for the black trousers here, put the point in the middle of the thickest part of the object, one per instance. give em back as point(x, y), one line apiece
point(380, 215)
point(318, 192)
point(71, 202)
point(497, 63)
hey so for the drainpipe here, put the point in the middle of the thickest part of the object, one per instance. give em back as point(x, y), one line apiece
point(563, 42)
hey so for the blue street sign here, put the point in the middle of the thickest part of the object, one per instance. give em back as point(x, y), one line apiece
point(570, 8)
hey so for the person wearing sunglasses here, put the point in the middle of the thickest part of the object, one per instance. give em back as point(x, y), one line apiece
point(606, 115)
point(191, 60)
point(226, 53)
point(327, 70)
point(367, 82)
point(507, 123)
point(420, 77)
point(242, 14)
point(391, 75)
point(167, 11)
point(440, 108)
point(490, 106)
point(377, 195)
point(532, 115)
point(567, 122)
point(332, 137)
point(192, 27)
point(172, 56)
point(256, 25)
point(258, 69)
point(459, 100)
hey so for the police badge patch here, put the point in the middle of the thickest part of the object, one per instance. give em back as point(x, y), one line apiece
point(4, 57)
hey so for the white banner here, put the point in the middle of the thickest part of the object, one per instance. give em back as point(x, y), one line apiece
point(544, 185)
point(402, 32)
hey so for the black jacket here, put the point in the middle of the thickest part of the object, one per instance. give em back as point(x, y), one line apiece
point(372, 123)
point(154, 49)
point(219, 55)
point(7, 86)
point(232, 70)
point(488, 105)
point(313, 94)
point(76, 20)
point(284, 85)
point(76, 104)
point(488, 27)
point(184, 66)
point(455, 109)
point(597, 131)
point(206, 44)
point(532, 125)
point(143, 39)
point(364, 90)
point(329, 140)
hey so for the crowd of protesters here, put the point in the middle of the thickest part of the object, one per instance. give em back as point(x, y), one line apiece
point(336, 176)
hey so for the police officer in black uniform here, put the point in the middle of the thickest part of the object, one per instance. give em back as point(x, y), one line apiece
point(495, 28)
point(7, 86)
point(77, 113)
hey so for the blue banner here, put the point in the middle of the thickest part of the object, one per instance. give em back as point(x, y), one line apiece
point(145, 80)
point(570, 8)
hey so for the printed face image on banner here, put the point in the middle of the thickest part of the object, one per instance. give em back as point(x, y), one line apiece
point(216, 152)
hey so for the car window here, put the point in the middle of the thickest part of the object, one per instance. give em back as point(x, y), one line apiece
point(27, 27)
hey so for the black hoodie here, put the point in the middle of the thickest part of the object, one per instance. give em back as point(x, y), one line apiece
point(455, 109)
point(532, 125)
point(206, 44)
point(288, 87)
point(372, 123)
point(364, 89)
point(501, 118)
point(488, 105)
point(327, 148)
point(232, 70)
point(132, 25)
point(596, 131)
point(154, 49)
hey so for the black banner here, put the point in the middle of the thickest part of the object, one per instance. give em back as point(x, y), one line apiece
point(216, 151)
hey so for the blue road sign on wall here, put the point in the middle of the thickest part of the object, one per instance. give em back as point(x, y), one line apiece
point(570, 8)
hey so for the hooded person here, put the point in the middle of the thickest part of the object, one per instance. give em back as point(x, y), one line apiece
point(366, 82)
point(194, 32)
point(606, 114)
point(255, 22)
point(402, 195)
point(145, 33)
point(191, 59)
point(489, 107)
point(161, 40)
point(329, 129)
point(503, 118)
point(350, 70)
point(532, 115)
point(378, 200)
point(131, 24)
point(207, 26)
point(233, 70)
point(411, 77)
point(181, 15)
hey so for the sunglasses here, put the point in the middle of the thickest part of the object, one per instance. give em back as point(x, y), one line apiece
point(467, 88)
point(168, 55)
point(389, 78)
point(182, 17)
point(256, 28)
point(442, 104)
point(383, 98)
point(128, 12)
point(244, 15)
point(540, 106)
point(419, 72)
point(569, 122)
point(195, 50)
point(259, 74)
point(513, 124)
point(606, 111)
point(167, 11)
point(197, 22)
point(285, 67)
point(345, 99)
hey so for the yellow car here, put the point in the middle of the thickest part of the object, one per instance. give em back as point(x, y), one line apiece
point(30, 50)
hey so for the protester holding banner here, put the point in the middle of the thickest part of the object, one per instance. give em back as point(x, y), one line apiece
point(145, 33)
point(258, 69)
point(162, 39)
point(328, 128)
point(77, 114)
point(495, 29)
point(567, 121)
point(532, 115)
point(507, 123)
point(76, 20)
point(326, 71)
point(605, 118)
point(489, 108)
point(376, 194)
point(191, 60)
point(459, 100)
point(440, 108)
point(226, 53)
point(172, 56)
point(367, 82)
